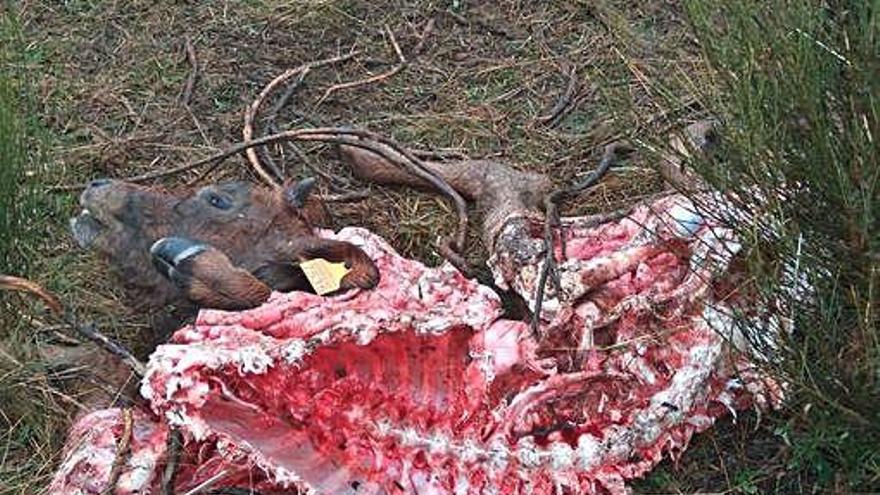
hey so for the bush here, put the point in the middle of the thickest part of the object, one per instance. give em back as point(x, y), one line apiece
point(795, 84)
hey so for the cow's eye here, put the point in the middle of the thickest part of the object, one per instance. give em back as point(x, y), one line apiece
point(218, 201)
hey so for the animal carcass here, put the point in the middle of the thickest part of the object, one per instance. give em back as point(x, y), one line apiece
point(419, 385)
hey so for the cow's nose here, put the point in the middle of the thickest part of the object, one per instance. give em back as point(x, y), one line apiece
point(99, 182)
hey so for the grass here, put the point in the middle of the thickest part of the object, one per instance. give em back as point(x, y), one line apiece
point(95, 88)
point(31, 419)
point(798, 91)
point(14, 196)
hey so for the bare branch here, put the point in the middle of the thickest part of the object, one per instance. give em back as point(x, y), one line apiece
point(564, 103)
point(186, 96)
point(373, 79)
point(87, 330)
point(121, 452)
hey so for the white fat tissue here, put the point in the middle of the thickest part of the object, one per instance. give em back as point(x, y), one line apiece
point(421, 385)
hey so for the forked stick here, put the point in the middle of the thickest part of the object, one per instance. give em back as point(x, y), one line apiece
point(551, 220)
point(251, 113)
point(402, 62)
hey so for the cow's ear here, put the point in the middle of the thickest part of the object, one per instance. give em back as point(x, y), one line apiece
point(206, 276)
point(296, 193)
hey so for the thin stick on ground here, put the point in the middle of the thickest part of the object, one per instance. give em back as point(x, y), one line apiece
point(89, 331)
point(86, 330)
point(481, 23)
point(8, 282)
point(373, 79)
point(551, 221)
point(121, 452)
point(253, 110)
point(288, 94)
point(186, 96)
point(136, 178)
point(564, 103)
point(426, 33)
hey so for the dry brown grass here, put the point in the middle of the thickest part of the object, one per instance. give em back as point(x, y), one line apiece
point(109, 75)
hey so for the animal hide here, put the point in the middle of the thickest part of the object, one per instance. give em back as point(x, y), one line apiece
point(419, 386)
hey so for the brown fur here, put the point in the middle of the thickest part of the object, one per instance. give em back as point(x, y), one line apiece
point(257, 239)
point(217, 283)
point(500, 191)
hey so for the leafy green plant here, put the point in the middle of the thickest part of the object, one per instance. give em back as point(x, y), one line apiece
point(31, 419)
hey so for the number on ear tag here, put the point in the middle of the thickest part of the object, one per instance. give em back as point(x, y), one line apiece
point(325, 277)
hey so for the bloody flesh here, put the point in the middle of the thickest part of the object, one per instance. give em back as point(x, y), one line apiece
point(419, 386)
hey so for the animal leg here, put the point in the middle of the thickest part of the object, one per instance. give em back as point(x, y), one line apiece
point(206, 276)
point(698, 138)
point(499, 190)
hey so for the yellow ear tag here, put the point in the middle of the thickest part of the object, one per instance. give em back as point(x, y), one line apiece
point(324, 276)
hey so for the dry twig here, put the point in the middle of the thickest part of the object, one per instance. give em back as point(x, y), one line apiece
point(187, 93)
point(373, 79)
point(136, 178)
point(8, 282)
point(426, 33)
point(121, 452)
point(564, 103)
point(551, 222)
point(481, 23)
point(87, 330)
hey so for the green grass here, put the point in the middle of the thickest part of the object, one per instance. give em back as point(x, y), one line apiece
point(34, 405)
point(796, 85)
point(29, 425)
point(13, 158)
